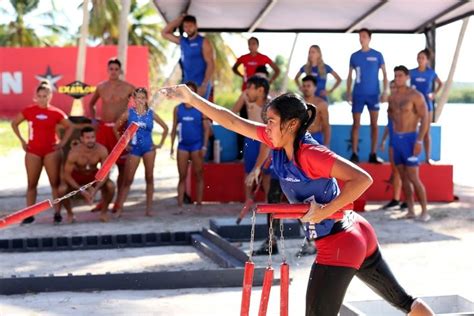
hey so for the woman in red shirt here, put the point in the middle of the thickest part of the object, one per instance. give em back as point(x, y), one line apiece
point(42, 147)
point(346, 243)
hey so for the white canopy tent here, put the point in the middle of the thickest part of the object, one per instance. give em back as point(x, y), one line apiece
point(327, 16)
point(341, 16)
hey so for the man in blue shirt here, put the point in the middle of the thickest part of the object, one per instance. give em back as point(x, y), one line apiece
point(366, 63)
point(197, 53)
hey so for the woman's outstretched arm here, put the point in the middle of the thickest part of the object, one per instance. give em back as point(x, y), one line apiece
point(219, 114)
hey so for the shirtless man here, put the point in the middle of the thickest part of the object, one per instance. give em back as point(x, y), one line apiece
point(115, 95)
point(320, 129)
point(80, 168)
point(409, 115)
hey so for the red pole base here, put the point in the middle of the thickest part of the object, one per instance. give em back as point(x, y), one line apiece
point(267, 286)
point(284, 288)
point(24, 213)
point(247, 288)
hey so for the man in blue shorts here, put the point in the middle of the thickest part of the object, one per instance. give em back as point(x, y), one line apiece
point(366, 62)
point(197, 53)
point(407, 110)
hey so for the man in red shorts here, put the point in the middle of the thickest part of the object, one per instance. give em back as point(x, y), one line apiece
point(80, 168)
point(114, 94)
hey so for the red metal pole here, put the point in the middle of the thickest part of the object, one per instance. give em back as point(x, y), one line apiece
point(267, 286)
point(281, 211)
point(284, 288)
point(116, 152)
point(247, 288)
point(24, 213)
point(300, 208)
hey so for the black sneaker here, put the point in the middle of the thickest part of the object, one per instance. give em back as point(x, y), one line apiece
point(28, 220)
point(57, 218)
point(374, 159)
point(391, 205)
point(354, 158)
point(308, 249)
point(403, 206)
point(263, 250)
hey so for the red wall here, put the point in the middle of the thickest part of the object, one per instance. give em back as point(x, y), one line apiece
point(28, 63)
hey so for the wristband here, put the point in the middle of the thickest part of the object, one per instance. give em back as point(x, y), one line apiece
point(419, 141)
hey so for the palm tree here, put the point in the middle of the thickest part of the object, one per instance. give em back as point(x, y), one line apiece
point(17, 33)
point(148, 34)
point(223, 69)
point(104, 28)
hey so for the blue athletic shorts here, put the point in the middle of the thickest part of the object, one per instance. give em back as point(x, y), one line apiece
point(403, 144)
point(141, 149)
point(251, 150)
point(190, 147)
point(359, 101)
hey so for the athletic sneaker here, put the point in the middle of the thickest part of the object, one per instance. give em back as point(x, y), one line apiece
point(263, 250)
point(374, 159)
point(307, 249)
point(391, 205)
point(28, 220)
point(354, 158)
point(57, 218)
point(403, 206)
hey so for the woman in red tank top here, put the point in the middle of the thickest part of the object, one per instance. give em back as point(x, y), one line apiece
point(42, 147)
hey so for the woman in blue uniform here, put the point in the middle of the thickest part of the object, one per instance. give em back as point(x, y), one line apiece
point(346, 242)
point(141, 147)
point(194, 131)
point(316, 67)
point(425, 80)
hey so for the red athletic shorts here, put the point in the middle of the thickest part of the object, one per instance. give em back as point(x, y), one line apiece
point(348, 248)
point(40, 151)
point(83, 178)
point(105, 136)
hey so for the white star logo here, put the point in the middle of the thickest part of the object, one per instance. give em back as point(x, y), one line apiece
point(50, 78)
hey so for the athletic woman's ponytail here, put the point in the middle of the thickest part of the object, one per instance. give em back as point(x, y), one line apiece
point(291, 106)
point(310, 116)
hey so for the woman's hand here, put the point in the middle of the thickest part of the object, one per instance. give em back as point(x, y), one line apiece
point(203, 151)
point(315, 213)
point(180, 93)
point(252, 177)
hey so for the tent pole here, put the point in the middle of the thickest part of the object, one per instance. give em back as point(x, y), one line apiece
point(285, 79)
point(444, 95)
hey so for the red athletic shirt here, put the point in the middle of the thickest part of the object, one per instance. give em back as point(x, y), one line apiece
point(42, 124)
point(251, 63)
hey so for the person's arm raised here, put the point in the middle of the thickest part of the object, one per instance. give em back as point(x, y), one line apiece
point(219, 114)
point(168, 30)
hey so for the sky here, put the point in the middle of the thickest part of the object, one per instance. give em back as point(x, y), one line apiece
point(337, 48)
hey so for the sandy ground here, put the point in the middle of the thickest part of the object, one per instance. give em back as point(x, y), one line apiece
point(429, 259)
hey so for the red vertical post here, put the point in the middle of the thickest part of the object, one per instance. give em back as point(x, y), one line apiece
point(247, 288)
point(116, 152)
point(267, 286)
point(284, 288)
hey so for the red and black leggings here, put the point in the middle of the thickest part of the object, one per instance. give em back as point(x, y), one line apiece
point(353, 251)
